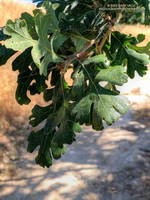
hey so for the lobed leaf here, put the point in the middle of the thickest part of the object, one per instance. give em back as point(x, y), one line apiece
point(39, 114)
point(58, 130)
point(102, 104)
point(113, 74)
point(136, 62)
point(20, 37)
point(33, 32)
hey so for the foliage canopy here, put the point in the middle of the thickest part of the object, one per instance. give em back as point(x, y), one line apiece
point(77, 35)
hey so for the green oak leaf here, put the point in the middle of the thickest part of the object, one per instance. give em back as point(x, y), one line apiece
point(79, 43)
point(79, 83)
point(141, 37)
point(136, 62)
point(30, 24)
point(39, 114)
point(25, 84)
point(44, 159)
point(141, 49)
point(34, 140)
point(120, 48)
point(58, 40)
point(29, 78)
point(113, 74)
point(47, 151)
point(39, 138)
point(32, 31)
point(66, 133)
point(147, 11)
point(96, 59)
point(54, 23)
point(57, 150)
point(59, 130)
point(102, 104)
point(24, 81)
point(20, 36)
point(119, 40)
point(43, 47)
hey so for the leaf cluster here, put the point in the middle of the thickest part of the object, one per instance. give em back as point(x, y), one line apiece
point(77, 35)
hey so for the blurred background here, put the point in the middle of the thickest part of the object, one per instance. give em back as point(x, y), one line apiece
point(109, 165)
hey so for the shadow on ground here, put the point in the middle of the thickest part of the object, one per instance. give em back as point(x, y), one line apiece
point(109, 165)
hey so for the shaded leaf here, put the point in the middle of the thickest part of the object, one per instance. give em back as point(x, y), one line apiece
point(30, 24)
point(5, 54)
point(24, 80)
point(58, 130)
point(39, 114)
point(78, 86)
point(2, 35)
point(34, 140)
point(48, 94)
point(57, 150)
point(136, 62)
point(79, 43)
point(28, 78)
point(22, 61)
point(65, 134)
point(58, 40)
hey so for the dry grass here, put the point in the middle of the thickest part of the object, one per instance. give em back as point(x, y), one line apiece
point(8, 107)
point(135, 30)
point(10, 9)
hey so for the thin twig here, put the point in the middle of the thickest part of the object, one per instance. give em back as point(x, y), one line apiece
point(108, 33)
